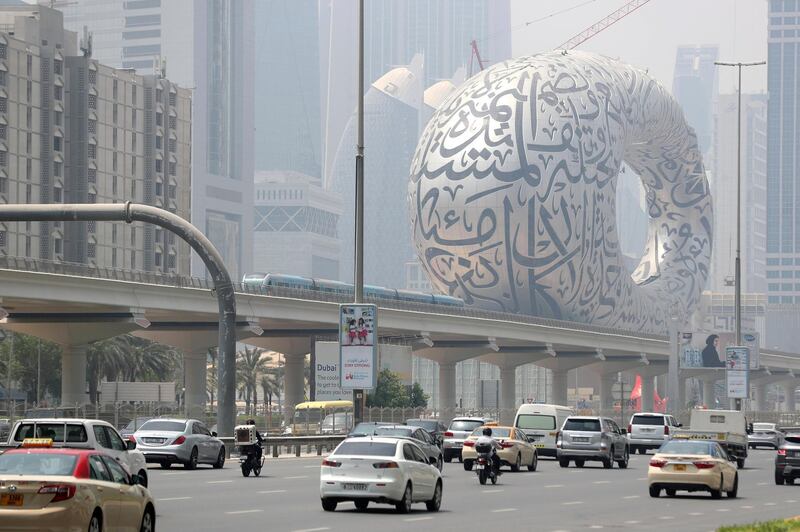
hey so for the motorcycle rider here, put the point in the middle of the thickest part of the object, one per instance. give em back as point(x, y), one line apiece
point(260, 441)
point(486, 439)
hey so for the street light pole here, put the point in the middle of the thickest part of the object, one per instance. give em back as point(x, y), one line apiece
point(737, 298)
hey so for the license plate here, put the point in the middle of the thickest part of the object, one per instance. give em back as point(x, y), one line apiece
point(479, 467)
point(11, 499)
point(354, 487)
point(680, 467)
point(581, 440)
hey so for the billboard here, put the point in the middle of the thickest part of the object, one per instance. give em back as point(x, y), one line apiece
point(144, 392)
point(327, 386)
point(736, 376)
point(358, 326)
point(700, 350)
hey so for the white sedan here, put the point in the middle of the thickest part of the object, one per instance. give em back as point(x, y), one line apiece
point(382, 470)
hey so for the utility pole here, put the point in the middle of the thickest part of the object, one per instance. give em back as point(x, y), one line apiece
point(38, 372)
point(738, 263)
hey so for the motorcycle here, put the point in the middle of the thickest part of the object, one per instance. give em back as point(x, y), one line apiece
point(484, 466)
point(248, 460)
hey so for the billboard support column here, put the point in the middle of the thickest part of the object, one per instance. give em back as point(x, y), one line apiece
point(358, 352)
point(673, 380)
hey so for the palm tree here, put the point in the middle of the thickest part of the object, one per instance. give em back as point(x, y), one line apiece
point(250, 365)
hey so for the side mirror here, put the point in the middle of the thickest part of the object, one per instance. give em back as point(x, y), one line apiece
point(214, 433)
point(130, 444)
point(135, 480)
point(749, 428)
point(623, 431)
point(679, 425)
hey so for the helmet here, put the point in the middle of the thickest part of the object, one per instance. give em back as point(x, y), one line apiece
point(251, 421)
point(487, 431)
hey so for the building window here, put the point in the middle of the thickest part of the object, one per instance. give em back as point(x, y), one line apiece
point(114, 257)
point(159, 142)
point(91, 226)
point(27, 246)
point(115, 89)
point(173, 168)
point(171, 261)
point(3, 158)
point(57, 246)
point(29, 92)
point(3, 76)
point(114, 137)
point(91, 250)
point(93, 126)
point(57, 167)
point(133, 94)
point(57, 144)
point(159, 185)
point(92, 76)
point(170, 237)
point(58, 66)
point(133, 260)
point(173, 191)
point(133, 236)
point(29, 64)
point(115, 114)
point(159, 167)
point(92, 101)
point(786, 275)
point(93, 151)
point(133, 189)
point(58, 93)
point(159, 119)
point(114, 161)
point(3, 131)
point(59, 118)
point(3, 104)
point(173, 99)
point(159, 95)
point(28, 142)
point(3, 51)
point(92, 175)
point(157, 259)
point(28, 194)
point(173, 145)
point(3, 236)
point(133, 118)
point(173, 122)
point(114, 185)
point(133, 164)
point(28, 168)
point(133, 142)
point(29, 117)
point(3, 185)
point(57, 195)
point(92, 197)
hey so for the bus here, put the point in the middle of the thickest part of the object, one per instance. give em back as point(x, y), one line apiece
point(309, 417)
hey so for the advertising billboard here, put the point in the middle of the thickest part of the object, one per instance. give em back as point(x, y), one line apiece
point(358, 326)
point(700, 350)
point(736, 376)
point(327, 386)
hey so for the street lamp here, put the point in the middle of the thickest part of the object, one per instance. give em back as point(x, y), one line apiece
point(738, 263)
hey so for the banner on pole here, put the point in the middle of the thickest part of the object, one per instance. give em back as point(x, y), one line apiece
point(358, 346)
point(737, 364)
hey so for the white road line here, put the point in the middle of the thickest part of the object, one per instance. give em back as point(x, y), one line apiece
point(762, 483)
point(174, 474)
point(248, 512)
point(632, 522)
point(790, 500)
point(174, 499)
point(501, 510)
point(695, 513)
point(554, 486)
point(571, 503)
point(666, 517)
point(271, 491)
point(320, 529)
point(413, 519)
point(601, 482)
point(296, 478)
point(493, 491)
point(596, 526)
point(632, 497)
point(769, 504)
point(747, 507)
point(723, 509)
point(310, 466)
point(219, 482)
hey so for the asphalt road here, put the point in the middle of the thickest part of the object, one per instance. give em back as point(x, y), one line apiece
point(286, 498)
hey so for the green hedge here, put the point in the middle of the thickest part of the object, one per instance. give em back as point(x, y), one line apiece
point(779, 525)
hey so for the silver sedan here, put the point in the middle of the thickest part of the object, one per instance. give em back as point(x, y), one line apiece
point(184, 441)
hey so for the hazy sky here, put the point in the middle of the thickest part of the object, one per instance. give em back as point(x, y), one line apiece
point(648, 37)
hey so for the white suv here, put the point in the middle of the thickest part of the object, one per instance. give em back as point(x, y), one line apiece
point(84, 434)
point(650, 430)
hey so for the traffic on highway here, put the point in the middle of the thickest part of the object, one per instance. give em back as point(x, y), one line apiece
point(79, 474)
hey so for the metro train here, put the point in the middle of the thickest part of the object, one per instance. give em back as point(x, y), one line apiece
point(262, 282)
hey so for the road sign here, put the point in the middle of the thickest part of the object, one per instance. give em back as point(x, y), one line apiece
point(358, 346)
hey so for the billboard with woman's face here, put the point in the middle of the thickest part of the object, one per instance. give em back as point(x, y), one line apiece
point(700, 350)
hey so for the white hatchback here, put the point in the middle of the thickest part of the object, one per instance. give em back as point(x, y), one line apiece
point(381, 470)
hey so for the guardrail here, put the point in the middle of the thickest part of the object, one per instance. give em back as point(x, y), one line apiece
point(274, 444)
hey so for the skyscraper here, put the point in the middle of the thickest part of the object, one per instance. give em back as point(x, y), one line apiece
point(783, 150)
point(207, 45)
point(694, 85)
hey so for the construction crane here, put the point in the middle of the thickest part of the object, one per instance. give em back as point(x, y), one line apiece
point(604, 23)
point(476, 56)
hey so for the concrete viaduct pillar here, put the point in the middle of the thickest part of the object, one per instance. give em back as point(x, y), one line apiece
point(789, 389)
point(559, 386)
point(447, 391)
point(73, 375)
point(648, 390)
point(194, 371)
point(760, 396)
point(607, 382)
point(508, 359)
point(709, 395)
point(293, 384)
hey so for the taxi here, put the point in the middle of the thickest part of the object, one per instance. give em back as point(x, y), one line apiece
point(690, 465)
point(516, 450)
point(42, 488)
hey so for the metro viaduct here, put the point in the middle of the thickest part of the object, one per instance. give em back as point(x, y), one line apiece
point(74, 311)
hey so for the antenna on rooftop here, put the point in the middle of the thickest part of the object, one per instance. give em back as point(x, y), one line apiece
point(86, 42)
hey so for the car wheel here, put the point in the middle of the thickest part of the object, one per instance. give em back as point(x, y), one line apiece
point(717, 494)
point(467, 465)
point(642, 450)
point(165, 464)
point(361, 504)
point(740, 463)
point(735, 490)
point(579, 463)
point(655, 492)
point(192, 463)
point(142, 477)
point(404, 505)
point(608, 461)
point(96, 522)
point(448, 459)
point(440, 463)
point(517, 464)
point(670, 492)
point(328, 505)
point(435, 503)
point(623, 464)
point(563, 462)
point(534, 462)
point(220, 463)
point(779, 479)
point(148, 521)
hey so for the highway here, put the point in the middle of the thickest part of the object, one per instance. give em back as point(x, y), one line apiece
point(286, 498)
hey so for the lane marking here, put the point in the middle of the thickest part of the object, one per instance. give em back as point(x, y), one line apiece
point(174, 474)
point(632, 522)
point(219, 482)
point(769, 504)
point(310, 466)
point(555, 486)
point(501, 510)
point(295, 478)
point(174, 499)
point(790, 500)
point(596, 526)
point(762, 483)
point(271, 491)
point(601, 482)
point(312, 529)
point(414, 519)
point(632, 497)
point(244, 512)
point(723, 509)
point(493, 491)
point(746, 507)
point(695, 513)
point(642, 478)
point(571, 503)
point(666, 517)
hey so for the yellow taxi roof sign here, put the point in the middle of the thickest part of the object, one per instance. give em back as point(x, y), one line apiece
point(33, 443)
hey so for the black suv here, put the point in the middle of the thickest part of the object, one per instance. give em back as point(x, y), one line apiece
point(787, 460)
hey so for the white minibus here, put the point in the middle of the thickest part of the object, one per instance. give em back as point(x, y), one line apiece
point(541, 423)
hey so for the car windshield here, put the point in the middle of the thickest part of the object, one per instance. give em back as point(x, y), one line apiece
point(164, 426)
point(75, 433)
point(394, 431)
point(647, 420)
point(134, 424)
point(366, 448)
point(49, 464)
point(686, 447)
point(586, 425)
point(536, 422)
point(465, 425)
point(763, 426)
point(496, 432)
point(364, 428)
point(794, 438)
point(339, 419)
point(427, 424)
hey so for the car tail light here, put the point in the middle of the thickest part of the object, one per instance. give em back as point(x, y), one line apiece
point(331, 463)
point(703, 464)
point(782, 452)
point(385, 465)
point(179, 440)
point(481, 460)
point(666, 430)
point(448, 434)
point(655, 462)
point(469, 443)
point(506, 444)
point(60, 492)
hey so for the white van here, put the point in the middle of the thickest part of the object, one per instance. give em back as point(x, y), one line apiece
point(541, 423)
